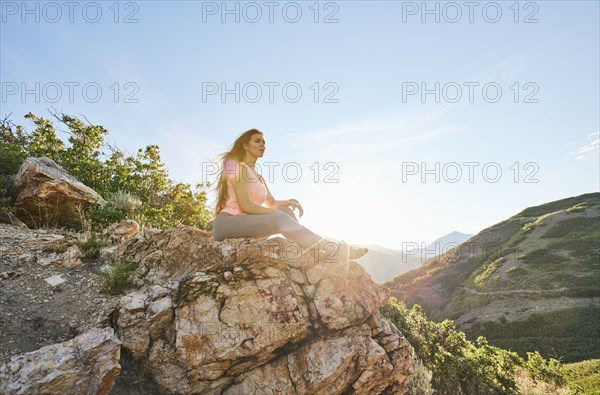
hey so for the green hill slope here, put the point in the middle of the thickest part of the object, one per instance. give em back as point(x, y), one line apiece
point(531, 282)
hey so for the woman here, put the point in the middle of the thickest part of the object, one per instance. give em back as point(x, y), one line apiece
point(241, 193)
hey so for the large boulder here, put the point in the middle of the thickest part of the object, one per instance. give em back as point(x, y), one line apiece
point(256, 317)
point(45, 194)
point(87, 364)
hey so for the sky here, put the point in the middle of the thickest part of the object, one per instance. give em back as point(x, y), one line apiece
point(391, 122)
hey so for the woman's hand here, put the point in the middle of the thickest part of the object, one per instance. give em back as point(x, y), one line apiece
point(293, 203)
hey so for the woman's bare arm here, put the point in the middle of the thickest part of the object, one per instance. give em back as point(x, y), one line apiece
point(270, 201)
point(241, 186)
point(273, 203)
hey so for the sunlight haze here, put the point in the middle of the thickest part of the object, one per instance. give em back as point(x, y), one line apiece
point(368, 139)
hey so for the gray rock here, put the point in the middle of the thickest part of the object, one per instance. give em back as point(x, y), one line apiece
point(87, 364)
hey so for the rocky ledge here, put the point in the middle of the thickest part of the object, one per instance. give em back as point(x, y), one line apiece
point(234, 317)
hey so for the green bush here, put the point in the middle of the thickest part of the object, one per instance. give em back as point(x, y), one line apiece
point(489, 269)
point(589, 198)
point(461, 366)
point(116, 279)
point(90, 249)
point(585, 375)
point(528, 226)
point(136, 186)
point(543, 256)
point(573, 228)
point(126, 202)
point(12, 156)
point(516, 272)
point(545, 370)
point(103, 217)
point(420, 382)
point(577, 208)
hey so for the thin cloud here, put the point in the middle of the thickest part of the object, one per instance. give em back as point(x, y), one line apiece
point(590, 149)
point(415, 125)
point(412, 126)
point(380, 146)
point(507, 68)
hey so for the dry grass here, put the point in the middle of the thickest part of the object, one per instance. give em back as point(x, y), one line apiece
point(528, 386)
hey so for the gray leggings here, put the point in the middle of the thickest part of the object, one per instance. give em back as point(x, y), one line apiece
point(262, 226)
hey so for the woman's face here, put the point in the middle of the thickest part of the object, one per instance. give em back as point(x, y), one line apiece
point(256, 145)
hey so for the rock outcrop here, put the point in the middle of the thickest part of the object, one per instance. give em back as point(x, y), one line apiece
point(122, 230)
point(87, 364)
point(202, 317)
point(256, 317)
point(45, 194)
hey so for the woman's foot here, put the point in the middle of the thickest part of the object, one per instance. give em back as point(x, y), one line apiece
point(352, 252)
point(333, 252)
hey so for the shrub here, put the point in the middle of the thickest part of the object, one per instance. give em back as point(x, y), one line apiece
point(138, 186)
point(126, 202)
point(529, 386)
point(573, 228)
point(420, 382)
point(103, 217)
point(516, 272)
point(542, 256)
point(576, 208)
point(584, 375)
point(90, 249)
point(490, 269)
point(11, 158)
point(528, 226)
point(117, 278)
point(543, 370)
point(458, 365)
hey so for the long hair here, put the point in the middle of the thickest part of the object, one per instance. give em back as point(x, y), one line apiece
point(237, 153)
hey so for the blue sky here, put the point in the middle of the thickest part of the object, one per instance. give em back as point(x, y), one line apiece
point(366, 129)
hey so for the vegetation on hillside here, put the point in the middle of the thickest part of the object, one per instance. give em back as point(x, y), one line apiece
point(459, 366)
point(137, 187)
point(585, 374)
point(528, 284)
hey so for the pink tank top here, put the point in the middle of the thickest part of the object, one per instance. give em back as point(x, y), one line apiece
point(256, 191)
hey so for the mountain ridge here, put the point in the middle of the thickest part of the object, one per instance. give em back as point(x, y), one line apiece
point(519, 279)
point(384, 263)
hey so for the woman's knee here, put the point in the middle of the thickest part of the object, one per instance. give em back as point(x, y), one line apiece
point(284, 222)
point(280, 216)
point(286, 209)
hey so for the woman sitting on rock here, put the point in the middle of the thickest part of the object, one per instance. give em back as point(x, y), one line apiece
point(241, 193)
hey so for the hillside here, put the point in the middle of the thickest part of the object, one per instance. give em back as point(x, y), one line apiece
point(531, 282)
point(384, 264)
